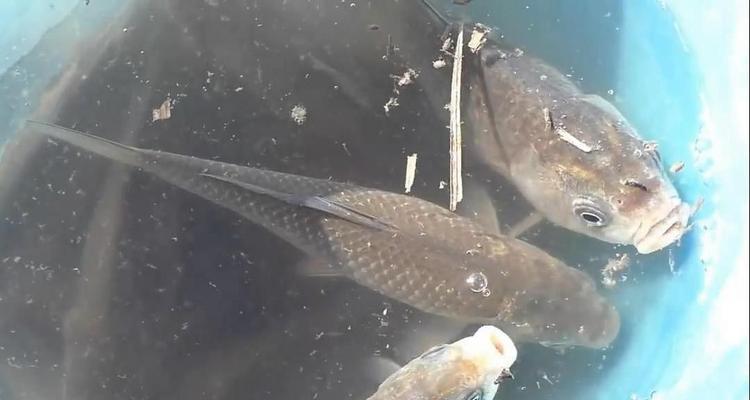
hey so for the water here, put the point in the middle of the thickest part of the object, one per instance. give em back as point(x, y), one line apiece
point(116, 285)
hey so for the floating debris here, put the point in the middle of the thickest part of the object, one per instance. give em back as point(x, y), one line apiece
point(163, 112)
point(411, 168)
point(446, 46)
point(613, 267)
point(547, 119)
point(390, 104)
point(299, 114)
point(697, 206)
point(439, 63)
point(574, 141)
point(478, 38)
point(677, 167)
point(456, 185)
point(407, 78)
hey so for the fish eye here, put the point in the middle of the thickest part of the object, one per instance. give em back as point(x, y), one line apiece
point(475, 395)
point(589, 213)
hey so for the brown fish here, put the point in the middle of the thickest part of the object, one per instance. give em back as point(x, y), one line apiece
point(573, 156)
point(403, 247)
point(468, 369)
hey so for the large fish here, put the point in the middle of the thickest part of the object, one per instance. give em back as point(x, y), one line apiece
point(572, 155)
point(468, 369)
point(405, 248)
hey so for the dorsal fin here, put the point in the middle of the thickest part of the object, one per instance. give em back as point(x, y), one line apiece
point(319, 203)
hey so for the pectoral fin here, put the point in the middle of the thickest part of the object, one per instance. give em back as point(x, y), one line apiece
point(478, 205)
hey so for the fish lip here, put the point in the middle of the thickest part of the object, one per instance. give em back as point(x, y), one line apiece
point(649, 238)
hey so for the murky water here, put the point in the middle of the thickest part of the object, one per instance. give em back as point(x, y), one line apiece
point(115, 285)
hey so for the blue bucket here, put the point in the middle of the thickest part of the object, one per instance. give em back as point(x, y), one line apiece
point(677, 69)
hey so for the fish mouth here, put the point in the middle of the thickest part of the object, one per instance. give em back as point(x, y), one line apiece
point(664, 231)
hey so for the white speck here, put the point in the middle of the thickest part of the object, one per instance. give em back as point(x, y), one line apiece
point(407, 78)
point(299, 114)
point(442, 185)
point(239, 89)
point(542, 77)
point(390, 104)
point(611, 92)
point(125, 29)
point(411, 168)
point(614, 266)
point(439, 63)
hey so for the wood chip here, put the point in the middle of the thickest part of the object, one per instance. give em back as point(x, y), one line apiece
point(163, 112)
point(411, 168)
point(456, 185)
point(478, 38)
point(574, 141)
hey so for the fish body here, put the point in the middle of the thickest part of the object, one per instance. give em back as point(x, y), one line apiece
point(573, 155)
point(403, 247)
point(468, 369)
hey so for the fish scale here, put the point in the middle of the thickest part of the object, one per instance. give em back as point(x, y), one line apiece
point(403, 247)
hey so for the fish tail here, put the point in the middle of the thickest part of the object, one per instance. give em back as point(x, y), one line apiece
point(103, 147)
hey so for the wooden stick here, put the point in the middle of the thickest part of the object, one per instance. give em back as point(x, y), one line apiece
point(456, 184)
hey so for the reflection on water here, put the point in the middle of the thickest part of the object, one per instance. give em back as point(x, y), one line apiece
point(115, 285)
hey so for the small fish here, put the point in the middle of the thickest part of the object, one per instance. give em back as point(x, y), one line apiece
point(572, 155)
point(468, 369)
point(403, 247)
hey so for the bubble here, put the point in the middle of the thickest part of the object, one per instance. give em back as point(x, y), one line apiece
point(477, 282)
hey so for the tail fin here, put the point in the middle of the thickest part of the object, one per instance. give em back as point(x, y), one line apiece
point(103, 147)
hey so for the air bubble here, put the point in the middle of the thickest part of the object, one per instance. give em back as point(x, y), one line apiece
point(477, 282)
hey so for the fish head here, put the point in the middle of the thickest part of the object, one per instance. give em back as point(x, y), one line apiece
point(468, 369)
point(594, 175)
point(573, 156)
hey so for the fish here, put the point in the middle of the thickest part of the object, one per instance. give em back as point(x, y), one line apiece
point(572, 155)
point(403, 247)
point(468, 369)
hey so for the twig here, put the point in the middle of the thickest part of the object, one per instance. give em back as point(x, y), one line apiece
point(574, 141)
point(456, 185)
point(411, 168)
